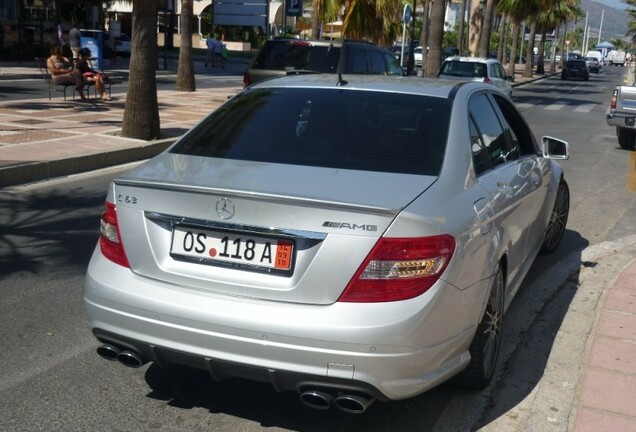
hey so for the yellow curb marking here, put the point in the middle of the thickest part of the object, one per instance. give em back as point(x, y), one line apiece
point(631, 174)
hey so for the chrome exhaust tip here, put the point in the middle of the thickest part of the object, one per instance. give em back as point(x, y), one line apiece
point(353, 404)
point(108, 352)
point(316, 399)
point(130, 359)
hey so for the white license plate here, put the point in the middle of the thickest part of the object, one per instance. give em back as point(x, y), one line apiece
point(215, 246)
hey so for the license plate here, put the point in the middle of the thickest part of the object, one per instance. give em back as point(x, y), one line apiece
point(232, 248)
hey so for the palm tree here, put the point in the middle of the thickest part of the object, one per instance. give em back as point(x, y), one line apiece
point(631, 19)
point(486, 28)
point(436, 35)
point(517, 10)
point(185, 70)
point(141, 115)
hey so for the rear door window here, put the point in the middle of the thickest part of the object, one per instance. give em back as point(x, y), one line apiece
point(345, 129)
point(492, 133)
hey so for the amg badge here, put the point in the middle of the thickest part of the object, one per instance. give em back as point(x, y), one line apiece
point(351, 226)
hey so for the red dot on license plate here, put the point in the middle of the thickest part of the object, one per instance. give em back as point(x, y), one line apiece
point(212, 252)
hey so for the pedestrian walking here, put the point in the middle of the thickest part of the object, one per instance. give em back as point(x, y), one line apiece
point(209, 43)
point(218, 51)
point(75, 40)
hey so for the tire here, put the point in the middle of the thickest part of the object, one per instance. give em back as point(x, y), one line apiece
point(484, 349)
point(626, 138)
point(558, 219)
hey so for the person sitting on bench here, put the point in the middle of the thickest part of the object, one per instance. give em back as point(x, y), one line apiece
point(89, 74)
point(62, 72)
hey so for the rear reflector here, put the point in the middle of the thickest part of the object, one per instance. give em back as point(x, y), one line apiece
point(400, 269)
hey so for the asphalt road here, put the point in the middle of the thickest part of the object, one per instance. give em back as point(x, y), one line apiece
point(51, 378)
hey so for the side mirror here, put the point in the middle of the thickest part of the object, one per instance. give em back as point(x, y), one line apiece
point(554, 148)
point(510, 78)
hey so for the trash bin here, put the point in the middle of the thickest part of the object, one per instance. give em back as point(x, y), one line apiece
point(94, 41)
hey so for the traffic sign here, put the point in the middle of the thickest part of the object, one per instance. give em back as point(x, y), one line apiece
point(407, 14)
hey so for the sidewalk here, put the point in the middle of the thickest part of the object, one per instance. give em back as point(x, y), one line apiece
point(42, 139)
point(591, 372)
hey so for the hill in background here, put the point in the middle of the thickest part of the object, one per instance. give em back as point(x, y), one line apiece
point(614, 21)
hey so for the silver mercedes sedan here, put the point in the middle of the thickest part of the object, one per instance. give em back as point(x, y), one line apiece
point(350, 238)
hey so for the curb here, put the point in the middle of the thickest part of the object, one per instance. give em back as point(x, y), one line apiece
point(45, 170)
point(551, 405)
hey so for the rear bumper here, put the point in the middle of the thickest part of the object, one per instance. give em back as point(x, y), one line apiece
point(621, 120)
point(388, 350)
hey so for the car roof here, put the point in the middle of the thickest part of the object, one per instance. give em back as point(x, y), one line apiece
point(421, 86)
point(472, 59)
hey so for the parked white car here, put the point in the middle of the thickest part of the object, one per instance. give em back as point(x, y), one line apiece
point(489, 70)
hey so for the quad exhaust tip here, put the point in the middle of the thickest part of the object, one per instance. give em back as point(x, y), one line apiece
point(349, 403)
point(125, 357)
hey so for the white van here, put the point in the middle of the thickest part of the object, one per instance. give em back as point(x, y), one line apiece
point(615, 58)
point(597, 55)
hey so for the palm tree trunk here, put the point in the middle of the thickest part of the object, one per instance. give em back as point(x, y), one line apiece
point(501, 49)
point(513, 48)
point(530, 51)
point(185, 71)
point(434, 62)
point(462, 18)
point(424, 33)
point(486, 29)
point(475, 26)
point(141, 116)
point(540, 60)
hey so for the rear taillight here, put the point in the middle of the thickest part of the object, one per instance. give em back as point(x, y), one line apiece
point(110, 238)
point(614, 99)
point(400, 269)
point(246, 80)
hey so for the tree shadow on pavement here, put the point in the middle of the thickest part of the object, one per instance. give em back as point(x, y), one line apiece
point(47, 230)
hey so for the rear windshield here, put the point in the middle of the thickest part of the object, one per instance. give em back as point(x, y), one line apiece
point(298, 56)
point(350, 129)
point(466, 69)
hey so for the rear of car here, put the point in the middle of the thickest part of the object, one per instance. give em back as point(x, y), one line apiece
point(489, 71)
point(593, 64)
point(575, 69)
point(259, 246)
point(341, 238)
point(279, 57)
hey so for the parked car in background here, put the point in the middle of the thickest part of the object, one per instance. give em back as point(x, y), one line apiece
point(279, 57)
point(120, 45)
point(417, 55)
point(575, 69)
point(593, 65)
point(349, 240)
point(615, 58)
point(488, 70)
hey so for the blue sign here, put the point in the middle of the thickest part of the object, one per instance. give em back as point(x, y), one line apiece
point(407, 14)
point(94, 41)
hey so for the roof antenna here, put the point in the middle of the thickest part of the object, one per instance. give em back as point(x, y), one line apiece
point(341, 82)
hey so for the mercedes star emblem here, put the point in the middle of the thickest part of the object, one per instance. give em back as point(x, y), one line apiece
point(225, 208)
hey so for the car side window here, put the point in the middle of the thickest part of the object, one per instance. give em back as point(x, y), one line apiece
point(520, 134)
point(376, 63)
point(394, 64)
point(481, 159)
point(490, 129)
point(357, 61)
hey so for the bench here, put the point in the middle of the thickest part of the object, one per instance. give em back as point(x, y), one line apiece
point(41, 64)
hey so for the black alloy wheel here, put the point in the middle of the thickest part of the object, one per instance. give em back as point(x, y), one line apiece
point(558, 219)
point(484, 349)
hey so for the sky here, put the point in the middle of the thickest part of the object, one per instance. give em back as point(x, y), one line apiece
point(618, 4)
